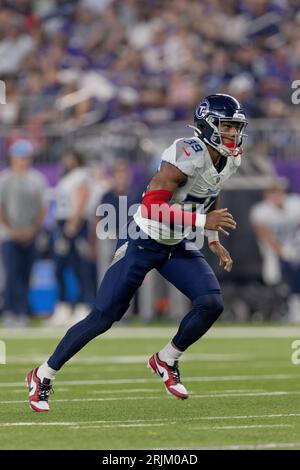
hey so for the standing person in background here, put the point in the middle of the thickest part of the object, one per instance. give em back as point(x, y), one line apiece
point(22, 211)
point(276, 222)
point(71, 247)
point(99, 185)
point(119, 186)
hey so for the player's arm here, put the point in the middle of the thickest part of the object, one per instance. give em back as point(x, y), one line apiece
point(169, 178)
point(156, 203)
point(38, 223)
point(16, 234)
point(3, 220)
point(215, 205)
point(266, 235)
point(214, 243)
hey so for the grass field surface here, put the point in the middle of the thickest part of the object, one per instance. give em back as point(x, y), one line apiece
point(244, 392)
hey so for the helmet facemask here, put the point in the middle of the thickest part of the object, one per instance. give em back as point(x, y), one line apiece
point(210, 127)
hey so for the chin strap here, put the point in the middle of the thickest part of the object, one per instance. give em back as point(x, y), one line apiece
point(235, 151)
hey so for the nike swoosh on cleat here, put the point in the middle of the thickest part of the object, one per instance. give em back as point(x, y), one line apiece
point(31, 388)
point(161, 374)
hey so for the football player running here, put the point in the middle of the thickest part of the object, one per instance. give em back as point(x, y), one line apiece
point(181, 197)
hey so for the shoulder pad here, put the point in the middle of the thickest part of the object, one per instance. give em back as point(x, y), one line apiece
point(184, 154)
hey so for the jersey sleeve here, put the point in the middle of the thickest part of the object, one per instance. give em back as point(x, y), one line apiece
point(185, 154)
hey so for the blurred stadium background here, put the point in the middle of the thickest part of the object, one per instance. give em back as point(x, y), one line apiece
point(117, 82)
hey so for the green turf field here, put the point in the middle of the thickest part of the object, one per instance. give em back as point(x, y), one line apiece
point(244, 392)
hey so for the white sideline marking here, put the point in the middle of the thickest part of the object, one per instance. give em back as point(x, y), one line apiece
point(7, 425)
point(278, 415)
point(149, 421)
point(78, 425)
point(246, 426)
point(211, 395)
point(130, 332)
point(175, 422)
point(133, 359)
point(128, 390)
point(220, 378)
point(123, 425)
point(158, 389)
point(58, 389)
point(269, 445)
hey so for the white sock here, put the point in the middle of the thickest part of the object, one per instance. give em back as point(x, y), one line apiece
point(169, 354)
point(44, 371)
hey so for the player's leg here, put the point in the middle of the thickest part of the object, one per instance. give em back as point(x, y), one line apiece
point(188, 271)
point(191, 274)
point(120, 282)
point(125, 275)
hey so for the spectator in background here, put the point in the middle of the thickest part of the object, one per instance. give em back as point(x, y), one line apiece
point(158, 50)
point(9, 114)
point(15, 45)
point(71, 246)
point(120, 184)
point(276, 222)
point(22, 211)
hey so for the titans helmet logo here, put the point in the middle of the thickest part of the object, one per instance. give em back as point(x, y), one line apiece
point(202, 109)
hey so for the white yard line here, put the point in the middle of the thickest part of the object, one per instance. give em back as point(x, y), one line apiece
point(150, 421)
point(58, 389)
point(133, 359)
point(158, 390)
point(220, 378)
point(159, 397)
point(248, 394)
point(253, 426)
point(128, 390)
point(126, 332)
point(267, 416)
point(268, 445)
point(106, 426)
point(8, 425)
point(142, 425)
point(246, 426)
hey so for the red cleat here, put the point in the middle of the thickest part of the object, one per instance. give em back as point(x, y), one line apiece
point(170, 375)
point(39, 391)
